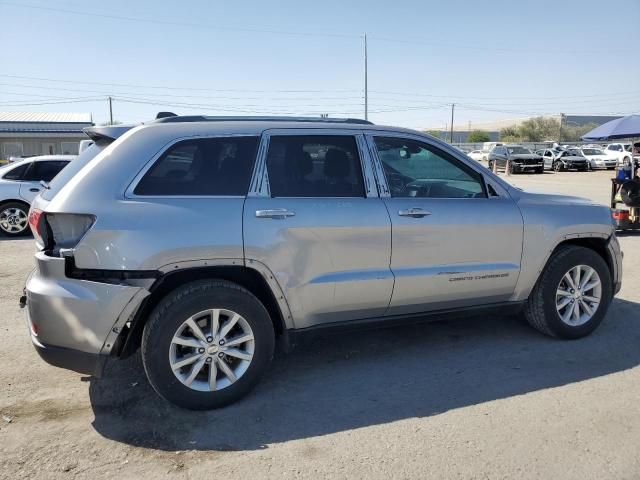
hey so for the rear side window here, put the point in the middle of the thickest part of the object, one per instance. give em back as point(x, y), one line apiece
point(314, 166)
point(44, 170)
point(17, 172)
point(205, 166)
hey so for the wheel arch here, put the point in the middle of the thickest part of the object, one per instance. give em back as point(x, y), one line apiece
point(596, 242)
point(15, 200)
point(255, 278)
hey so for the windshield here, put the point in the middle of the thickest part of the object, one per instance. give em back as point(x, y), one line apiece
point(627, 148)
point(519, 151)
point(592, 151)
point(70, 170)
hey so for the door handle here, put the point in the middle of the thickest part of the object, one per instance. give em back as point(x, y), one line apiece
point(414, 212)
point(34, 189)
point(277, 213)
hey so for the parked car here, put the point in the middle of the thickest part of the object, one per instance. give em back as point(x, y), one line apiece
point(559, 160)
point(622, 152)
point(19, 184)
point(596, 158)
point(203, 241)
point(520, 159)
point(478, 155)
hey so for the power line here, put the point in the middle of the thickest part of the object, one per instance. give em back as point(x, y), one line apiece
point(164, 87)
point(174, 23)
point(305, 33)
point(383, 92)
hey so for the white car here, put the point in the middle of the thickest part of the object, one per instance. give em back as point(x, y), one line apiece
point(620, 151)
point(597, 158)
point(478, 155)
point(19, 185)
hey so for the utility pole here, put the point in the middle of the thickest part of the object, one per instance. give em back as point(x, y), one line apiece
point(366, 87)
point(560, 130)
point(453, 106)
point(110, 112)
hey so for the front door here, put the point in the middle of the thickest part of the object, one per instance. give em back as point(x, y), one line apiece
point(319, 226)
point(455, 244)
point(43, 170)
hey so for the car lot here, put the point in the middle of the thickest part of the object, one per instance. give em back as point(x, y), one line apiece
point(482, 397)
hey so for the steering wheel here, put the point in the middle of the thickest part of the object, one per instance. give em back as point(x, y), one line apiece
point(397, 182)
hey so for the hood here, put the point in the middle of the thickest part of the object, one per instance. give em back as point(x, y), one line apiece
point(525, 156)
point(550, 198)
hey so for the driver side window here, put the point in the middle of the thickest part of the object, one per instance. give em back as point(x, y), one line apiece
point(416, 169)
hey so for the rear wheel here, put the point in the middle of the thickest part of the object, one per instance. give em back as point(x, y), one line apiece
point(207, 344)
point(540, 170)
point(572, 295)
point(14, 219)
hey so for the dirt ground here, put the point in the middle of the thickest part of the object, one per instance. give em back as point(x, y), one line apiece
point(473, 398)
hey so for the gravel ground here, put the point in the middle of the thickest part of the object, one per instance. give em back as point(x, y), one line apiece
point(473, 398)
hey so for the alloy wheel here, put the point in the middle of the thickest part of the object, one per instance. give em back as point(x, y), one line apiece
point(211, 350)
point(578, 295)
point(13, 220)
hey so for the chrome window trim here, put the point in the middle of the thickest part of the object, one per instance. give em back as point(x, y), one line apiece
point(262, 175)
point(129, 192)
point(457, 155)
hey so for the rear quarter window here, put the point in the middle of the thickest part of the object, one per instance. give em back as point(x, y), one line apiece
point(70, 170)
point(205, 167)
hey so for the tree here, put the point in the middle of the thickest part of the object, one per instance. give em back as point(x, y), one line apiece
point(509, 134)
point(433, 133)
point(574, 133)
point(478, 136)
point(539, 129)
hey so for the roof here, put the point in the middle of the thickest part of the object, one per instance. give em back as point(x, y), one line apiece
point(45, 117)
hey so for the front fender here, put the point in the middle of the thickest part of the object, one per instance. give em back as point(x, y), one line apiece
point(549, 221)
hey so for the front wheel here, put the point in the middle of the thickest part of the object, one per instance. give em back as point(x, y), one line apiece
point(557, 166)
point(207, 344)
point(14, 219)
point(572, 295)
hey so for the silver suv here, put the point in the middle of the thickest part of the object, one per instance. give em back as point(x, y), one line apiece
point(205, 240)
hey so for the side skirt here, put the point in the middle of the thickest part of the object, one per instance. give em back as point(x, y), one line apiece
point(293, 337)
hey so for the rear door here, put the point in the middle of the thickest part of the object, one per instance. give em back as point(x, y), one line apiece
point(43, 170)
point(315, 220)
point(455, 243)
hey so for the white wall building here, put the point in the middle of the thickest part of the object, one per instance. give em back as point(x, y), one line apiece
point(25, 134)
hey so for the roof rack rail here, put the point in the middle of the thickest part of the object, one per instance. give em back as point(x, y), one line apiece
point(207, 118)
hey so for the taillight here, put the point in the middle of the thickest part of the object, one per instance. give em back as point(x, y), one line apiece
point(54, 231)
point(67, 229)
point(38, 227)
point(620, 214)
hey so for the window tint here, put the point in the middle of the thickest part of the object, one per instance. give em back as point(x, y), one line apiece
point(17, 172)
point(314, 166)
point(415, 169)
point(44, 170)
point(206, 166)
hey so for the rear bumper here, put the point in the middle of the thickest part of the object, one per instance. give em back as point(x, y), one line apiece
point(74, 323)
point(69, 359)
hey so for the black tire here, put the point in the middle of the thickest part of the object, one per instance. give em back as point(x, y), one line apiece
point(490, 165)
point(540, 170)
point(179, 305)
point(540, 309)
point(5, 229)
point(557, 166)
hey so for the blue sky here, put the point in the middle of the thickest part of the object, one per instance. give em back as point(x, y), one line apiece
point(494, 59)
